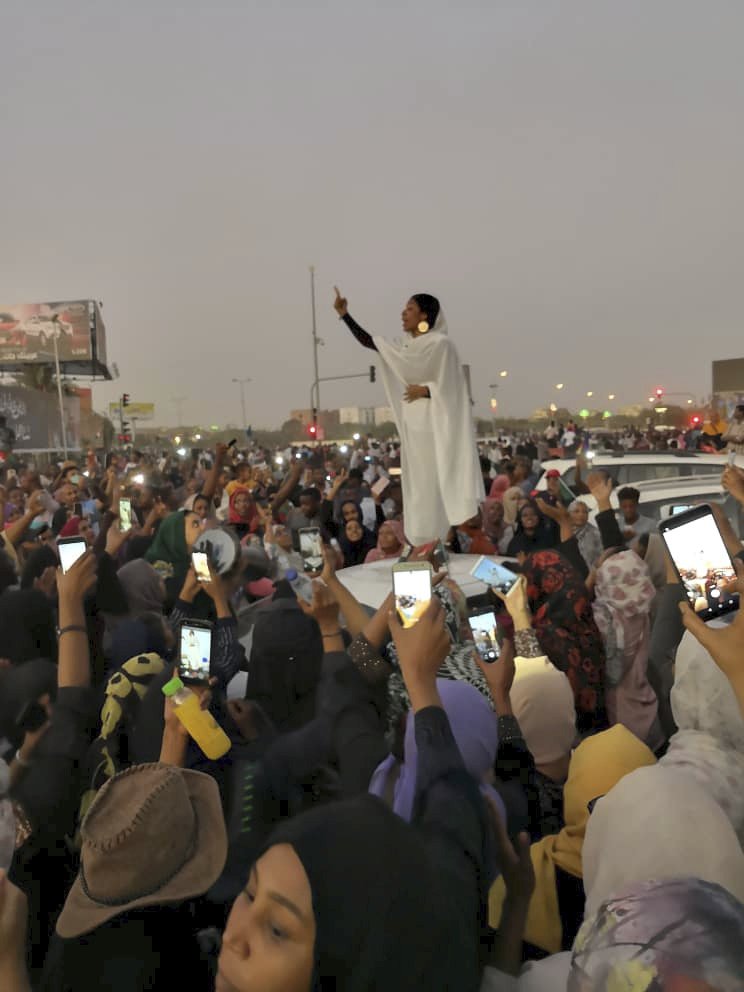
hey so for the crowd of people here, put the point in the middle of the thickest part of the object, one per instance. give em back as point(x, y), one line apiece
point(391, 811)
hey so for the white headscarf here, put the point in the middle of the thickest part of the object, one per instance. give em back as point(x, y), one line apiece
point(709, 744)
point(657, 823)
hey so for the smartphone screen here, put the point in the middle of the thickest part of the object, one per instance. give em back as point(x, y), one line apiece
point(125, 514)
point(70, 549)
point(494, 575)
point(485, 634)
point(201, 566)
point(311, 549)
point(196, 649)
point(702, 561)
point(412, 589)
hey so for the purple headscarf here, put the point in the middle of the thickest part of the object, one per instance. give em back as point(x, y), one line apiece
point(475, 730)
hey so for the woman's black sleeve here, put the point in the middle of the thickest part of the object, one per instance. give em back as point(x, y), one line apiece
point(609, 530)
point(359, 333)
point(570, 551)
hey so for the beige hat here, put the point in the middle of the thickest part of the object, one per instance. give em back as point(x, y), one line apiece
point(154, 834)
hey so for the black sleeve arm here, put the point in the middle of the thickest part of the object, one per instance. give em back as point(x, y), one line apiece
point(359, 333)
point(609, 530)
point(570, 551)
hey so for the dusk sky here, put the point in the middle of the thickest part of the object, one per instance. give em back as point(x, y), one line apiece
point(567, 177)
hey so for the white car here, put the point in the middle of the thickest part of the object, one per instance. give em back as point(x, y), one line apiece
point(632, 467)
point(45, 329)
point(372, 583)
point(664, 498)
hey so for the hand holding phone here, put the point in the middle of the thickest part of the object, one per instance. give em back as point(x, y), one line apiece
point(196, 652)
point(702, 562)
point(70, 549)
point(125, 514)
point(495, 575)
point(412, 589)
point(200, 562)
point(485, 632)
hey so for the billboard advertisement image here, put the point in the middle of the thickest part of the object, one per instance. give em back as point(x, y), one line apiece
point(29, 332)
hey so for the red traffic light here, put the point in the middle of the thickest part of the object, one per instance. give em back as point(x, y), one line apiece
point(659, 392)
point(695, 421)
point(312, 430)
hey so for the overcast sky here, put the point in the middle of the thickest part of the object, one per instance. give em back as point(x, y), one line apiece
point(566, 176)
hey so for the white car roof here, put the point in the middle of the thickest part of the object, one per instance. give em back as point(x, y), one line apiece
point(372, 583)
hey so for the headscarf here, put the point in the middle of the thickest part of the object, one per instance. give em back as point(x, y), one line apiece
point(658, 822)
point(523, 543)
point(387, 914)
point(475, 729)
point(286, 660)
point(709, 743)
point(543, 703)
point(250, 521)
point(377, 554)
point(20, 685)
point(142, 587)
point(567, 632)
point(624, 594)
point(71, 528)
point(588, 538)
point(597, 765)
point(109, 752)
point(498, 487)
point(678, 934)
point(169, 554)
point(356, 552)
point(135, 637)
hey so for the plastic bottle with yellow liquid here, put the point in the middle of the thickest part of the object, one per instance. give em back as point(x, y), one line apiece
point(201, 725)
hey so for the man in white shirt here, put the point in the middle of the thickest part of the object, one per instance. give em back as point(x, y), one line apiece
point(631, 523)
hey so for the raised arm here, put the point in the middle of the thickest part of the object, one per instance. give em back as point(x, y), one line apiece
point(341, 306)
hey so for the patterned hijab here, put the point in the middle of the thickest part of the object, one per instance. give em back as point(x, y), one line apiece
point(567, 632)
point(681, 934)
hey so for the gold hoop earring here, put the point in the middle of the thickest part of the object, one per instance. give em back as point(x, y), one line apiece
point(423, 327)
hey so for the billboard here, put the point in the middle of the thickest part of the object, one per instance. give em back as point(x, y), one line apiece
point(728, 376)
point(133, 411)
point(31, 333)
point(33, 415)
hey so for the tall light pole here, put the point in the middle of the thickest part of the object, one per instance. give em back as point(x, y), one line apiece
point(242, 384)
point(316, 342)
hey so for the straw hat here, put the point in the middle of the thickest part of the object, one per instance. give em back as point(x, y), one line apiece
point(154, 834)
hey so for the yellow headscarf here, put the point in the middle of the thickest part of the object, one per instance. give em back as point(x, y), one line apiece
point(597, 765)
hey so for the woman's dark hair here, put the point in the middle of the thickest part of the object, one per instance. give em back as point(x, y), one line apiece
point(37, 563)
point(429, 305)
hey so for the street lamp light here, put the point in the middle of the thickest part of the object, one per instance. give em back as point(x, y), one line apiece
point(590, 394)
point(242, 383)
point(611, 396)
point(559, 385)
point(503, 374)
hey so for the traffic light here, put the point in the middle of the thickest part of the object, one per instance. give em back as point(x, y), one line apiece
point(659, 392)
point(126, 427)
point(695, 421)
point(372, 373)
point(312, 430)
point(125, 399)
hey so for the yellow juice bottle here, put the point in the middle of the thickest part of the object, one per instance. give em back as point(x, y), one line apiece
point(201, 725)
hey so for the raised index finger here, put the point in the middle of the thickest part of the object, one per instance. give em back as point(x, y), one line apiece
point(338, 294)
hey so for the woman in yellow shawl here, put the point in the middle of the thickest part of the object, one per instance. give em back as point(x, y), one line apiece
point(557, 906)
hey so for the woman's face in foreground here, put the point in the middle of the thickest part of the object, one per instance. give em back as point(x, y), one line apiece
point(269, 941)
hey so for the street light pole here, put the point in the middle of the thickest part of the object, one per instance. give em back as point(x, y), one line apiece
point(242, 383)
point(316, 404)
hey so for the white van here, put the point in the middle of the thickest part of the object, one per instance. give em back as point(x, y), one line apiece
point(632, 467)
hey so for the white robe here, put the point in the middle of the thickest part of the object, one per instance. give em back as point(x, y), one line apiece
point(441, 476)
